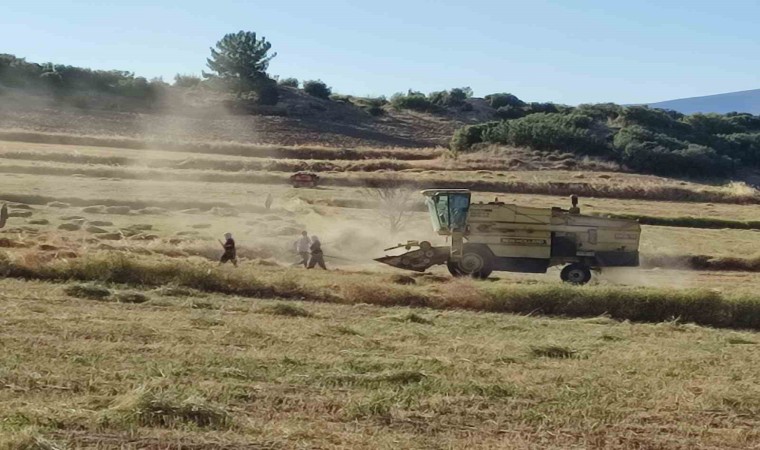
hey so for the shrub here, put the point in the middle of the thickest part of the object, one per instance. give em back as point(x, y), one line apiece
point(548, 107)
point(289, 82)
point(600, 111)
point(450, 99)
point(542, 131)
point(652, 118)
point(464, 138)
point(317, 88)
point(267, 93)
point(186, 81)
point(692, 160)
point(415, 101)
point(510, 112)
point(501, 100)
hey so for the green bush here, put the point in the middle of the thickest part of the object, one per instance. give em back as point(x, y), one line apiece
point(373, 105)
point(186, 81)
point(455, 98)
point(465, 137)
point(600, 111)
point(549, 108)
point(510, 112)
point(744, 147)
point(542, 131)
point(289, 82)
point(415, 101)
point(644, 139)
point(317, 88)
point(267, 93)
point(692, 160)
point(502, 100)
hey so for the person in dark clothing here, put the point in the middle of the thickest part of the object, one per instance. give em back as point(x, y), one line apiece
point(230, 254)
point(316, 256)
point(3, 215)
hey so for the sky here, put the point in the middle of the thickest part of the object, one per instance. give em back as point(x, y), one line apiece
point(571, 51)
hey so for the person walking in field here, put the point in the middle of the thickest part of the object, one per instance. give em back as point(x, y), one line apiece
point(230, 254)
point(3, 215)
point(302, 248)
point(316, 256)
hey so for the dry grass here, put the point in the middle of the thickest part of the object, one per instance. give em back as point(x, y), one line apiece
point(701, 306)
point(186, 354)
point(217, 147)
point(704, 262)
point(412, 180)
point(77, 374)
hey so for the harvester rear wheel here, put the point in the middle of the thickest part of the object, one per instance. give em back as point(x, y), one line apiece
point(576, 274)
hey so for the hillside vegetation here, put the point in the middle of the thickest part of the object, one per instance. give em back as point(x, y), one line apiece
point(640, 138)
point(643, 139)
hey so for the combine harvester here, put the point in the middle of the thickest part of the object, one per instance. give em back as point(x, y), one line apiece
point(498, 236)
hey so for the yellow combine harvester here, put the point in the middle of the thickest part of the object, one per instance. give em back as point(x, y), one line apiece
point(499, 236)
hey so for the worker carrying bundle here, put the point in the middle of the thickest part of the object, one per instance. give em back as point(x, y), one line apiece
point(230, 254)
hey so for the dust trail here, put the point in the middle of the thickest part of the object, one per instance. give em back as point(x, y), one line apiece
point(675, 278)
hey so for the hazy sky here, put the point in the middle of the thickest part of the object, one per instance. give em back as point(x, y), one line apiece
point(569, 51)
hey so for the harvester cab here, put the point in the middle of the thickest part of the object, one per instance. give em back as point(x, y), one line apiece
point(448, 209)
point(497, 236)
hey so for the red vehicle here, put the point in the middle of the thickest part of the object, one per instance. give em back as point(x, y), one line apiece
point(304, 179)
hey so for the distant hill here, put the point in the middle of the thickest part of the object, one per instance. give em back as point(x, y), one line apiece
point(742, 101)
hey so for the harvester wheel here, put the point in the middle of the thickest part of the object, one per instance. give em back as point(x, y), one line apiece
point(475, 262)
point(576, 274)
point(454, 268)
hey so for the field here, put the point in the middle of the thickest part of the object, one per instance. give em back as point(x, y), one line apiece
point(118, 328)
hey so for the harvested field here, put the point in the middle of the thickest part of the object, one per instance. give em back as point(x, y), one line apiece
point(225, 372)
point(120, 330)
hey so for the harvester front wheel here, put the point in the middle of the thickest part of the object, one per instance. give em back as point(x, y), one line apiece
point(454, 268)
point(475, 262)
point(576, 274)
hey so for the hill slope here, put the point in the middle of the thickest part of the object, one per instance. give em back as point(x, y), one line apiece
point(742, 101)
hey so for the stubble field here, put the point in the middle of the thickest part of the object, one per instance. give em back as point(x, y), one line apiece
point(119, 330)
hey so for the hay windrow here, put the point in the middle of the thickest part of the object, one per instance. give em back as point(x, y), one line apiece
point(700, 306)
